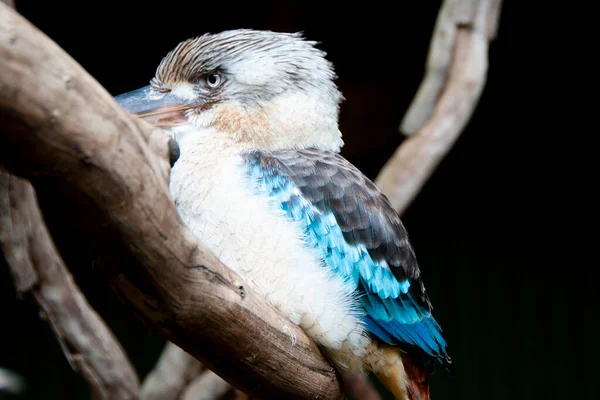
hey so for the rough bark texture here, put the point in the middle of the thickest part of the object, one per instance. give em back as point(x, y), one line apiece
point(62, 131)
point(455, 76)
point(87, 343)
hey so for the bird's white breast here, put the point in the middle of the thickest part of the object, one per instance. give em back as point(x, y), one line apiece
point(251, 235)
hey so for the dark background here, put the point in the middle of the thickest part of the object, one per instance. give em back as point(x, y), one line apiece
point(518, 315)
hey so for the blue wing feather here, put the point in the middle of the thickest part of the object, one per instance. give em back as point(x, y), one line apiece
point(392, 313)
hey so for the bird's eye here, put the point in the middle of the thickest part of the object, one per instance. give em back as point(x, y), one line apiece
point(213, 80)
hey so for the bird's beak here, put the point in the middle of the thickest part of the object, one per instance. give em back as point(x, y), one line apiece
point(163, 110)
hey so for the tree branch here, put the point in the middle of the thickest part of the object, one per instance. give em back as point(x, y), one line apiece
point(173, 372)
point(62, 130)
point(88, 344)
point(11, 383)
point(207, 386)
point(455, 76)
point(179, 376)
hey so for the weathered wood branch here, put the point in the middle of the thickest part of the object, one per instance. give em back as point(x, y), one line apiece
point(173, 372)
point(11, 383)
point(87, 343)
point(455, 76)
point(60, 129)
point(208, 386)
point(179, 376)
point(9, 3)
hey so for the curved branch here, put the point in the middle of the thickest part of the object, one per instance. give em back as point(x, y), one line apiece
point(455, 77)
point(60, 129)
point(87, 343)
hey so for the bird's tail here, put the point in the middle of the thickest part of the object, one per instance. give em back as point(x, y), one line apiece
point(404, 378)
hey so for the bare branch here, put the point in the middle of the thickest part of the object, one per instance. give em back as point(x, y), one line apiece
point(207, 386)
point(173, 372)
point(11, 383)
point(455, 76)
point(178, 375)
point(9, 3)
point(88, 344)
point(60, 126)
point(454, 16)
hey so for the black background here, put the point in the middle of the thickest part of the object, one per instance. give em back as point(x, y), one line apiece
point(519, 317)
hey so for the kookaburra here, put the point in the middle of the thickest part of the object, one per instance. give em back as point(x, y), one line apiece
point(260, 181)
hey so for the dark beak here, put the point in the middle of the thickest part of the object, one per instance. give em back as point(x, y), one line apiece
point(160, 109)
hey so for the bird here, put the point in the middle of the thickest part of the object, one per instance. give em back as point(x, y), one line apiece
point(260, 180)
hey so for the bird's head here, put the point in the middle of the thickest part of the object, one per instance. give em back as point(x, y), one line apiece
point(251, 89)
